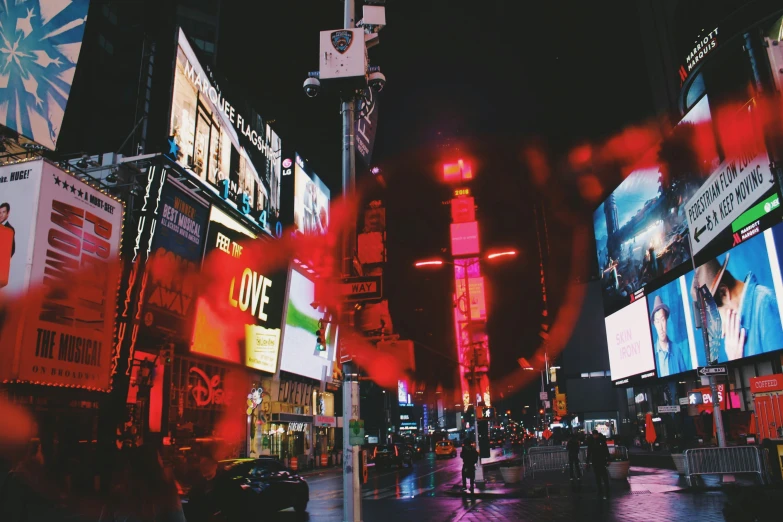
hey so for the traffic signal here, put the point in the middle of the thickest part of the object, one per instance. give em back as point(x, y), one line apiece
point(320, 345)
point(165, 353)
point(541, 411)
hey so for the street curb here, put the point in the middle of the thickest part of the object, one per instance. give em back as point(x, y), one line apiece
point(318, 471)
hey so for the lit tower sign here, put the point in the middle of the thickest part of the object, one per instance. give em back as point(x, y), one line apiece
point(470, 316)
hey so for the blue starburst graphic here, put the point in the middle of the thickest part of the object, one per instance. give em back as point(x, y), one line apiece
point(40, 41)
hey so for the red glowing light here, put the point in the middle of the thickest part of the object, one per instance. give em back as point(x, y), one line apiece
point(502, 254)
point(434, 262)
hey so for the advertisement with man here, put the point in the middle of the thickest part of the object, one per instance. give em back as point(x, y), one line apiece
point(43, 40)
point(176, 253)
point(224, 142)
point(19, 188)
point(629, 341)
point(744, 285)
point(672, 329)
point(254, 339)
point(69, 327)
point(311, 200)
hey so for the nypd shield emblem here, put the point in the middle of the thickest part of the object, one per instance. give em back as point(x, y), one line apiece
point(341, 40)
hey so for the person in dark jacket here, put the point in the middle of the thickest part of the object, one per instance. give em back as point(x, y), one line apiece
point(599, 456)
point(573, 457)
point(141, 489)
point(469, 459)
point(204, 497)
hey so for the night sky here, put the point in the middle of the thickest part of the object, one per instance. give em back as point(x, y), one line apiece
point(484, 78)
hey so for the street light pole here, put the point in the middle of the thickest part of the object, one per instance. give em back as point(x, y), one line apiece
point(474, 362)
point(352, 498)
point(479, 395)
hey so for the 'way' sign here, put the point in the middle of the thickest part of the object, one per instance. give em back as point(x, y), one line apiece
point(361, 288)
point(728, 192)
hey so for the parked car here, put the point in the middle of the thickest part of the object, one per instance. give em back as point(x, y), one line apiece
point(387, 455)
point(445, 448)
point(245, 487)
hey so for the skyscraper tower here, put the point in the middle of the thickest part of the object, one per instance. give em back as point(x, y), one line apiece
point(610, 210)
point(470, 311)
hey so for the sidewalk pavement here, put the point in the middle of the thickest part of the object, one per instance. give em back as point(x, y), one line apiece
point(641, 480)
point(650, 459)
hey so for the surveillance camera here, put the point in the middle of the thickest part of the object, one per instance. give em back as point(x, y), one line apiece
point(377, 81)
point(312, 86)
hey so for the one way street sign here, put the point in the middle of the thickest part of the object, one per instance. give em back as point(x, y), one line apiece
point(713, 370)
point(361, 288)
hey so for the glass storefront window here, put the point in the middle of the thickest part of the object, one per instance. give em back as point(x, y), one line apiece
point(286, 440)
point(606, 427)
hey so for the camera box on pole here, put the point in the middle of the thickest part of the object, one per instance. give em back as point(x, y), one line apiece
point(343, 55)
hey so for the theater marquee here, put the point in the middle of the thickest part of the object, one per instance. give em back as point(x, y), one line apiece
point(67, 327)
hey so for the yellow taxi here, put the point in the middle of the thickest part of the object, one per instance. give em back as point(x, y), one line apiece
point(445, 448)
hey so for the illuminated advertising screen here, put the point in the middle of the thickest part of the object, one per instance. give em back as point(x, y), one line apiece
point(402, 392)
point(478, 306)
point(408, 419)
point(458, 171)
point(58, 229)
point(177, 247)
point(223, 143)
point(300, 354)
point(641, 229)
point(629, 341)
point(257, 297)
point(744, 318)
point(463, 210)
point(43, 41)
point(464, 238)
point(672, 327)
point(311, 200)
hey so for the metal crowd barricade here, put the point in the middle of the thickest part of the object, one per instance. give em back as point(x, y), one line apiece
point(556, 459)
point(618, 451)
point(725, 461)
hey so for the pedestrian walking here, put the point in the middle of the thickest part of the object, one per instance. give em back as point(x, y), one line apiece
point(205, 499)
point(599, 456)
point(573, 457)
point(469, 459)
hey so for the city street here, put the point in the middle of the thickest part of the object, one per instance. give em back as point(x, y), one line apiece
point(422, 493)
point(247, 247)
point(423, 479)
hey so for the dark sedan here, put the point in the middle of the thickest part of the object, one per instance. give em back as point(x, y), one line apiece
point(243, 488)
point(387, 455)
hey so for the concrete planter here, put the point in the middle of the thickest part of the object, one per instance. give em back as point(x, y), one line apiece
point(511, 474)
point(618, 470)
point(679, 462)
